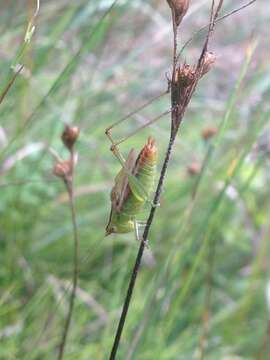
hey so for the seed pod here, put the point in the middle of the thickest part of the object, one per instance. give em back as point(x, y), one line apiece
point(208, 61)
point(194, 168)
point(70, 135)
point(185, 75)
point(179, 9)
point(209, 132)
point(63, 169)
point(130, 193)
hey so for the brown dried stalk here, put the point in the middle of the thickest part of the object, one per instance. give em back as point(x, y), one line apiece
point(183, 85)
point(65, 170)
point(10, 83)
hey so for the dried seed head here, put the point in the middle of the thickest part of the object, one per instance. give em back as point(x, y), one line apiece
point(208, 61)
point(70, 135)
point(185, 75)
point(209, 132)
point(194, 168)
point(63, 169)
point(179, 9)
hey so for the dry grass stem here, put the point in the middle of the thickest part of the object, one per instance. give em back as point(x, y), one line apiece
point(65, 170)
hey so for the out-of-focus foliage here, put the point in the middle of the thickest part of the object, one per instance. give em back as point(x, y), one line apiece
point(209, 245)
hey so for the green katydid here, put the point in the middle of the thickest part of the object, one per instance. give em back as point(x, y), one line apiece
point(135, 181)
point(127, 197)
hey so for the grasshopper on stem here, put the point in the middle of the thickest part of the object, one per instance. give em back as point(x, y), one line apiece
point(135, 181)
point(133, 186)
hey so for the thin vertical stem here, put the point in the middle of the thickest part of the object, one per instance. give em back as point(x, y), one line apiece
point(180, 104)
point(141, 249)
point(69, 186)
point(174, 46)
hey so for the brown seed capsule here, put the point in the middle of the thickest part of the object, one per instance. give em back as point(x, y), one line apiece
point(209, 132)
point(179, 9)
point(209, 60)
point(70, 135)
point(194, 168)
point(63, 169)
point(185, 75)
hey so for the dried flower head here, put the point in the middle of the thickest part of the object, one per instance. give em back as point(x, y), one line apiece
point(63, 169)
point(185, 75)
point(208, 61)
point(209, 132)
point(179, 9)
point(70, 135)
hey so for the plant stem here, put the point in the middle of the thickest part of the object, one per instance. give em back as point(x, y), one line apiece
point(10, 83)
point(69, 186)
point(208, 298)
point(141, 248)
point(180, 97)
point(150, 219)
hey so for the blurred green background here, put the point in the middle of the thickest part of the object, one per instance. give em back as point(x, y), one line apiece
point(203, 291)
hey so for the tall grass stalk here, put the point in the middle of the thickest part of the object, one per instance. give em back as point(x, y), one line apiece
point(180, 99)
point(183, 84)
point(65, 170)
point(70, 191)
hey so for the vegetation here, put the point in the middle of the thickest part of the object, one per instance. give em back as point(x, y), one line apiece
point(203, 286)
